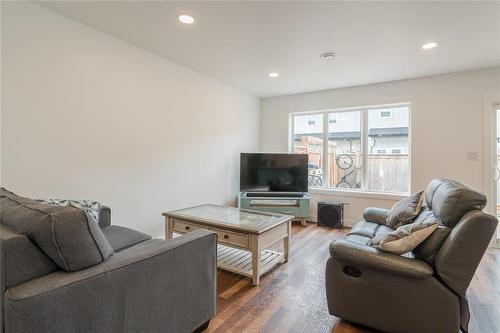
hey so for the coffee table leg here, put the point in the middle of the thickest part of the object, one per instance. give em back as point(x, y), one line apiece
point(255, 259)
point(168, 230)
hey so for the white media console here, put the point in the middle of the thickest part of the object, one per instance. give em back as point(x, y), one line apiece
point(296, 204)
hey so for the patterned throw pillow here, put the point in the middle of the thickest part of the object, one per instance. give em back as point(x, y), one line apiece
point(405, 238)
point(93, 208)
point(405, 210)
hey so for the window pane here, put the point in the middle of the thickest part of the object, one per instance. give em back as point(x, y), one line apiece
point(308, 139)
point(388, 163)
point(344, 150)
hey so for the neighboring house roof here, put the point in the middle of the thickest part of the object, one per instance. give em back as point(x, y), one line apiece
point(392, 131)
point(344, 135)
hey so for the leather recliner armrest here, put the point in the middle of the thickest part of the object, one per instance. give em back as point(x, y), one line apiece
point(368, 257)
point(376, 215)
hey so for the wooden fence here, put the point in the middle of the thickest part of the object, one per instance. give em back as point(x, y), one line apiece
point(384, 172)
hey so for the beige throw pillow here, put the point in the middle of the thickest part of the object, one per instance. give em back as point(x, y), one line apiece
point(405, 210)
point(405, 238)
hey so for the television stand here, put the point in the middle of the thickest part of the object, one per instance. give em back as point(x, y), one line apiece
point(275, 194)
point(289, 203)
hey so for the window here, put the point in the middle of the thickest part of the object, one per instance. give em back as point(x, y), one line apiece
point(308, 139)
point(344, 150)
point(385, 114)
point(384, 172)
point(359, 149)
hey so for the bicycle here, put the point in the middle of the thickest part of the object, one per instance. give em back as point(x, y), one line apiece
point(345, 162)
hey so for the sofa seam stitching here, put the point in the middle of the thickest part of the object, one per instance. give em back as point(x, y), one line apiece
point(56, 244)
point(456, 201)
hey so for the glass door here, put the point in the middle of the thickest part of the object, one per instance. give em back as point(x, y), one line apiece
point(496, 167)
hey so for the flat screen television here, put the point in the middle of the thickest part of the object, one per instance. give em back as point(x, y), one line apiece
point(261, 172)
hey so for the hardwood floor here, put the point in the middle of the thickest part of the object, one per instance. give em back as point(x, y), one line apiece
point(291, 298)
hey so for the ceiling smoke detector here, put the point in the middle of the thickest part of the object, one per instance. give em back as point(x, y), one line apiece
point(328, 56)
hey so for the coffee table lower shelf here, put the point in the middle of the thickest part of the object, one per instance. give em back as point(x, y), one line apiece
point(240, 261)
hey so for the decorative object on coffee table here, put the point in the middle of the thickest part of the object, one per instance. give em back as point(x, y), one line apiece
point(244, 236)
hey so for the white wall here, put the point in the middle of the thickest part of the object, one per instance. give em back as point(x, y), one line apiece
point(88, 116)
point(446, 119)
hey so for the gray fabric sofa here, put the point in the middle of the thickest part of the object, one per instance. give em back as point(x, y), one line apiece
point(145, 285)
point(419, 292)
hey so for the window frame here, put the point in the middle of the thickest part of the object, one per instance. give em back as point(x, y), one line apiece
point(364, 144)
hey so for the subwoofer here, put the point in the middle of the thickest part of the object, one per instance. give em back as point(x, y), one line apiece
point(331, 214)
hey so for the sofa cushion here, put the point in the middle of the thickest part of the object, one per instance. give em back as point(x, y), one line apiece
point(364, 228)
point(405, 238)
point(66, 234)
point(105, 216)
point(383, 229)
point(450, 200)
point(21, 260)
point(376, 215)
point(405, 210)
point(358, 239)
point(428, 249)
point(122, 238)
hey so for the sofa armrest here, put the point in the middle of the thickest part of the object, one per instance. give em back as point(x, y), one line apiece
point(105, 217)
point(369, 257)
point(157, 285)
point(376, 215)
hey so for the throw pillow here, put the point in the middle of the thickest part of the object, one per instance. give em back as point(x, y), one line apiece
point(405, 210)
point(6, 193)
point(405, 238)
point(93, 208)
point(428, 249)
point(67, 235)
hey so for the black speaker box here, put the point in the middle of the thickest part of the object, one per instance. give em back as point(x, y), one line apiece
point(331, 214)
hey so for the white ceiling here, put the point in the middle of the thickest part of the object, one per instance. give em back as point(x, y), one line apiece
point(240, 42)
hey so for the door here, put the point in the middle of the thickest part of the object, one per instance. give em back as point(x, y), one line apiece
point(496, 167)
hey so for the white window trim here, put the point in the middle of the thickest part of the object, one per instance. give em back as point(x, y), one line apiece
point(358, 194)
point(364, 129)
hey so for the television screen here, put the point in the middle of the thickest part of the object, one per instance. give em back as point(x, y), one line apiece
point(261, 172)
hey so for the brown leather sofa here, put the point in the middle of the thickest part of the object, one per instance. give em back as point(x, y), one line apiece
point(419, 292)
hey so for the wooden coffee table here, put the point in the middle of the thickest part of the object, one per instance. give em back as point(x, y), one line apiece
point(244, 236)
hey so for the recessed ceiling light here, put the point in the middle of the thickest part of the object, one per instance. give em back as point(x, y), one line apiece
point(186, 19)
point(429, 46)
point(328, 56)
point(274, 74)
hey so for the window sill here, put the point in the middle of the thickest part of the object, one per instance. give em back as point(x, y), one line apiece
point(358, 194)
